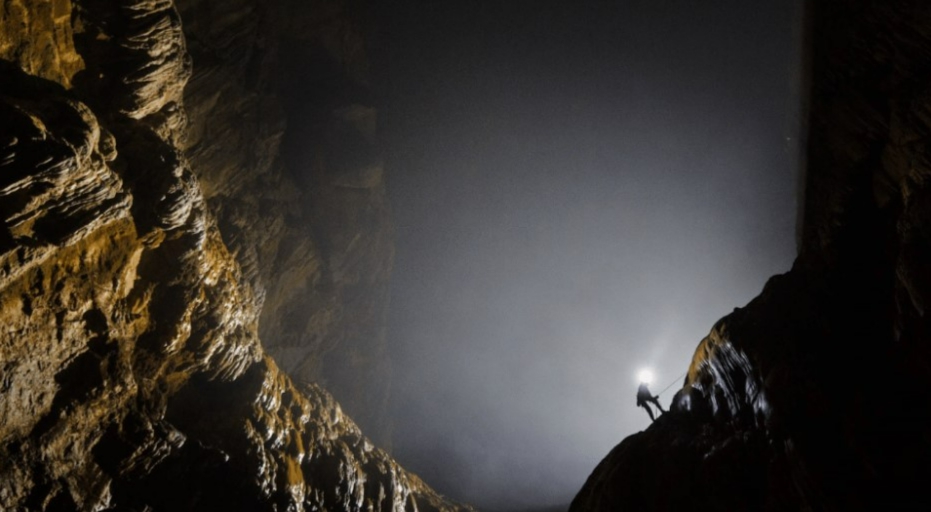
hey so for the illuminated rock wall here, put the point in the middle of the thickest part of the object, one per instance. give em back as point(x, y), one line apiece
point(153, 230)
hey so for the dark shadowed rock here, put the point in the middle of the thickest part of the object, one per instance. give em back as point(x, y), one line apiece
point(815, 396)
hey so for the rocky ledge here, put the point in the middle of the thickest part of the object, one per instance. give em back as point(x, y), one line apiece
point(816, 396)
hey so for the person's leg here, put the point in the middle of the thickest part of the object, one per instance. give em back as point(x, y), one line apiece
point(649, 411)
point(658, 406)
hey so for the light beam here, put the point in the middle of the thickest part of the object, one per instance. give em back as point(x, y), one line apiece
point(645, 376)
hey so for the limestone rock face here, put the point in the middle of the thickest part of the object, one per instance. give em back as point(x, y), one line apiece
point(815, 396)
point(282, 137)
point(140, 239)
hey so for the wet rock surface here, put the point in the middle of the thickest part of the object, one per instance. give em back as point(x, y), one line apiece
point(156, 226)
point(815, 396)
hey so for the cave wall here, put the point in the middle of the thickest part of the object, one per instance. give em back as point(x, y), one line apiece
point(159, 218)
point(282, 138)
point(815, 395)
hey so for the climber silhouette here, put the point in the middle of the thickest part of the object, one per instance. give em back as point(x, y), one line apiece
point(645, 398)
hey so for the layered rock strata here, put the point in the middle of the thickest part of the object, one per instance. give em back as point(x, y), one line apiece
point(815, 396)
point(139, 241)
point(282, 138)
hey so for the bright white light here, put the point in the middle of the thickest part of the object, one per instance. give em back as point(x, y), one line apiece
point(645, 376)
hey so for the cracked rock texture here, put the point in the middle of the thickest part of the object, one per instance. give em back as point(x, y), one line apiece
point(169, 195)
point(816, 395)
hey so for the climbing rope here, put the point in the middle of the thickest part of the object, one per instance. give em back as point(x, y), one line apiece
point(671, 383)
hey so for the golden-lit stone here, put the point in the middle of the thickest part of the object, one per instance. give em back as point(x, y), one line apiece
point(138, 243)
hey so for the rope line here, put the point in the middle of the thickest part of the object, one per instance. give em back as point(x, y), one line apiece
point(671, 383)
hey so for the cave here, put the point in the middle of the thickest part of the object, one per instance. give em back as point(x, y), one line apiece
point(418, 256)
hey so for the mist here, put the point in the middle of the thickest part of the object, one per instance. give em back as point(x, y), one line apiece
point(580, 190)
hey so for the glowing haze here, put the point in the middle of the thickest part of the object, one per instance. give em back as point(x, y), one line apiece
point(645, 376)
point(580, 189)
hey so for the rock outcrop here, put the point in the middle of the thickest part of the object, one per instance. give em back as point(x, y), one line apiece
point(815, 396)
point(162, 211)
